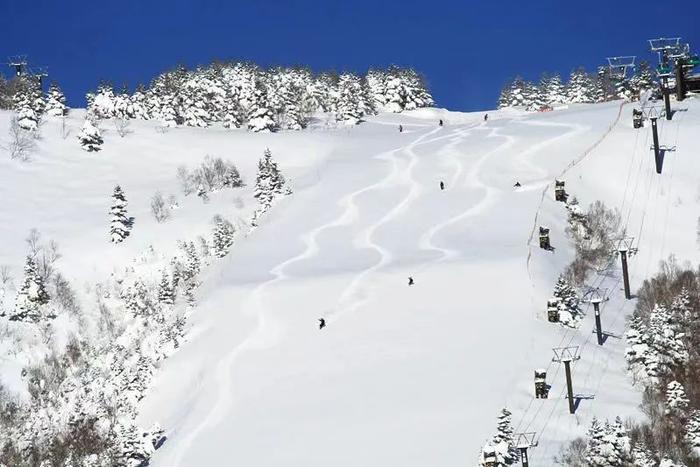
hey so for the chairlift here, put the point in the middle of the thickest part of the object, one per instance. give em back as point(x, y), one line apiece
point(541, 389)
point(618, 66)
point(544, 238)
point(553, 310)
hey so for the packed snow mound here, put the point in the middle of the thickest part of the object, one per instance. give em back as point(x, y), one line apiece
point(399, 375)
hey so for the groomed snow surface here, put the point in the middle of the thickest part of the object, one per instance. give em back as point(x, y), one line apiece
point(409, 376)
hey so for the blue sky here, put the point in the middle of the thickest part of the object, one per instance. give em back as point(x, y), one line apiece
point(466, 49)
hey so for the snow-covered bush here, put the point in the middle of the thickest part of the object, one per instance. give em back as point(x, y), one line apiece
point(213, 174)
point(160, 211)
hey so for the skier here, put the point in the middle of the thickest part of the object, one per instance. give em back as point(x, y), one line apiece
point(410, 280)
point(486, 117)
point(400, 128)
point(442, 185)
point(321, 323)
point(440, 122)
point(517, 185)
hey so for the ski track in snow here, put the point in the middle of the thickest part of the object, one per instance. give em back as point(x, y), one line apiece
point(267, 331)
point(472, 179)
point(354, 295)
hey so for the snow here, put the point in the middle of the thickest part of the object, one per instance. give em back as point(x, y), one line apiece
point(399, 376)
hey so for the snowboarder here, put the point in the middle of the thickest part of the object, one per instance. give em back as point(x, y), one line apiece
point(410, 280)
point(321, 323)
point(442, 185)
point(517, 185)
point(486, 117)
point(400, 128)
point(440, 122)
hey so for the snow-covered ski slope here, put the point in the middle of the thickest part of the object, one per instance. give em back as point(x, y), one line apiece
point(401, 375)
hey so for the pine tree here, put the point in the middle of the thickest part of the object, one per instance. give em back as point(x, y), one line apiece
point(501, 445)
point(642, 457)
point(260, 115)
point(676, 400)
point(166, 290)
point(505, 97)
point(55, 102)
point(90, 137)
point(642, 81)
point(376, 80)
point(31, 295)
point(222, 237)
point(579, 89)
point(603, 86)
point(692, 432)
point(139, 103)
point(120, 223)
point(517, 92)
point(102, 105)
point(348, 105)
point(569, 302)
point(23, 103)
point(38, 102)
point(554, 90)
point(122, 104)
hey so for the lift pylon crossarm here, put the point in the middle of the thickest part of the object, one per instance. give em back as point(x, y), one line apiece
point(566, 354)
point(525, 440)
point(618, 65)
point(664, 43)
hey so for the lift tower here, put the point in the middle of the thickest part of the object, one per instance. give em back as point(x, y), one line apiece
point(19, 63)
point(665, 47)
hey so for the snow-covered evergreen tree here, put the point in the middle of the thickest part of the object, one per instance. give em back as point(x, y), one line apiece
point(518, 93)
point(138, 103)
point(603, 86)
point(676, 399)
point(222, 237)
point(260, 117)
point(641, 456)
point(90, 137)
point(569, 303)
point(166, 290)
point(643, 80)
point(102, 104)
point(502, 443)
point(692, 432)
point(31, 294)
point(348, 104)
point(554, 90)
point(55, 102)
point(579, 89)
point(24, 105)
point(376, 80)
point(505, 97)
point(120, 223)
point(608, 445)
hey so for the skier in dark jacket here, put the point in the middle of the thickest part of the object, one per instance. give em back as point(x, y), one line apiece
point(410, 280)
point(442, 185)
point(517, 185)
point(486, 117)
point(321, 323)
point(400, 128)
point(440, 122)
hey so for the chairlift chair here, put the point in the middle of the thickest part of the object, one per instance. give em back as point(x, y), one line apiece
point(544, 238)
point(559, 190)
point(541, 390)
point(553, 310)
